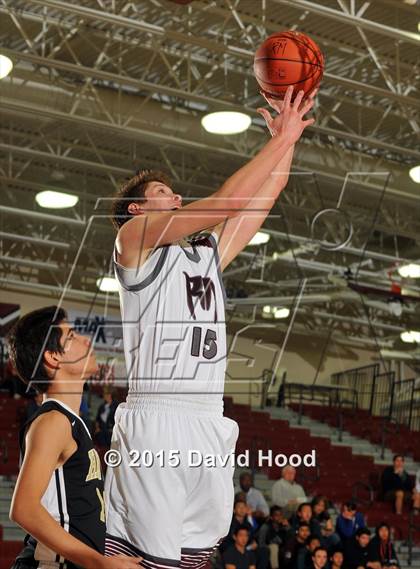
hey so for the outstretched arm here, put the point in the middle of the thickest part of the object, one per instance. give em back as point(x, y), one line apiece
point(235, 233)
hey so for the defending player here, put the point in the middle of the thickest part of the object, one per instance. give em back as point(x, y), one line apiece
point(58, 498)
point(173, 314)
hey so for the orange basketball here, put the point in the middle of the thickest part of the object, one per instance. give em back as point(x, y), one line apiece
point(288, 58)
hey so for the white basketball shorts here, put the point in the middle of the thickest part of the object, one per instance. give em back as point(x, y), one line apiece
point(161, 503)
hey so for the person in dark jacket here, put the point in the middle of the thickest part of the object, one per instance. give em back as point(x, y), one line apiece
point(357, 553)
point(294, 545)
point(105, 419)
point(274, 534)
point(382, 548)
point(348, 522)
point(396, 484)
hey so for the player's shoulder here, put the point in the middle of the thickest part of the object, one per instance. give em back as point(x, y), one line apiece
point(53, 424)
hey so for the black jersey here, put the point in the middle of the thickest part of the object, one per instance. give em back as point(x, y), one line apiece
point(74, 496)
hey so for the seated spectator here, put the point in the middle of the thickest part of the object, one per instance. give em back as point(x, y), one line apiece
point(242, 517)
point(293, 545)
point(357, 553)
point(105, 419)
point(238, 556)
point(382, 548)
point(336, 560)
point(304, 558)
point(349, 522)
point(396, 484)
point(286, 493)
point(304, 514)
point(273, 534)
point(319, 558)
point(34, 404)
point(254, 498)
point(322, 525)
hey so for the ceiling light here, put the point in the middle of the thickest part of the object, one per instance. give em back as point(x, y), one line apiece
point(226, 122)
point(259, 238)
point(6, 66)
point(410, 271)
point(415, 174)
point(410, 337)
point(107, 284)
point(267, 309)
point(56, 200)
point(281, 313)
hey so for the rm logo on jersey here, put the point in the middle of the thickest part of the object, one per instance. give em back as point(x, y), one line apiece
point(95, 466)
point(202, 289)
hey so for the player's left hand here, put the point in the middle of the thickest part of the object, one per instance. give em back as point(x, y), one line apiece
point(273, 123)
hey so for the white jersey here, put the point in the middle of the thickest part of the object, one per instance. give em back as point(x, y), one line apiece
point(173, 318)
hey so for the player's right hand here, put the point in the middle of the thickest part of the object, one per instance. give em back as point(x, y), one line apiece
point(121, 562)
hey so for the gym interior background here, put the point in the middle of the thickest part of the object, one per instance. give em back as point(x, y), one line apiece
point(323, 311)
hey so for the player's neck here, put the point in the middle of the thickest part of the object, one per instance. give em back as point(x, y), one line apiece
point(71, 399)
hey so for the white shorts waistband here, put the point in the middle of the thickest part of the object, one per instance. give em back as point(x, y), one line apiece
point(173, 404)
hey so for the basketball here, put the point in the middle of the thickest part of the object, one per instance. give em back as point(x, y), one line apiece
point(288, 58)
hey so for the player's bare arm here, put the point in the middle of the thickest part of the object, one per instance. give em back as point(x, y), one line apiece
point(235, 233)
point(146, 231)
point(49, 443)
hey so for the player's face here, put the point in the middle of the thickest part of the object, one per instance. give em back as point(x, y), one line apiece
point(160, 197)
point(78, 358)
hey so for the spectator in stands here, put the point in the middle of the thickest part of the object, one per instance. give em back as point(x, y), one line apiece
point(349, 522)
point(254, 498)
point(322, 525)
point(105, 419)
point(382, 548)
point(357, 553)
point(319, 558)
point(34, 404)
point(397, 485)
point(294, 545)
point(238, 555)
point(273, 534)
point(242, 517)
point(304, 558)
point(304, 514)
point(336, 559)
point(286, 493)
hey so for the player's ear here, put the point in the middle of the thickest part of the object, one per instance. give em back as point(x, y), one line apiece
point(135, 209)
point(51, 360)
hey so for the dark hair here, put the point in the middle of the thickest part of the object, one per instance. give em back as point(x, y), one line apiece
point(362, 531)
point(239, 528)
point(314, 552)
point(311, 538)
point(132, 190)
point(303, 505)
point(350, 506)
point(303, 525)
point(394, 458)
point(239, 500)
point(32, 335)
point(383, 525)
point(275, 509)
